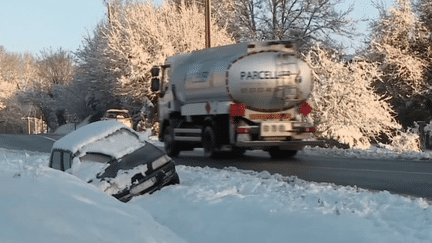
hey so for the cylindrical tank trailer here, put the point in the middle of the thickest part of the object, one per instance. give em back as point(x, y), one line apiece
point(234, 98)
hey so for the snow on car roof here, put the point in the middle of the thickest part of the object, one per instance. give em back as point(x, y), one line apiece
point(117, 144)
point(88, 134)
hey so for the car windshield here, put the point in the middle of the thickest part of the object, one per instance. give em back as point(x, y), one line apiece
point(116, 145)
point(95, 157)
point(118, 114)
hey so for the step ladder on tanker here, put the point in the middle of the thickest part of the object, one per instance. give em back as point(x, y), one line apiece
point(287, 73)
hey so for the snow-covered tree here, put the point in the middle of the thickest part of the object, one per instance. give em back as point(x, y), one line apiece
point(140, 35)
point(115, 61)
point(94, 72)
point(18, 72)
point(401, 44)
point(10, 64)
point(346, 107)
point(53, 71)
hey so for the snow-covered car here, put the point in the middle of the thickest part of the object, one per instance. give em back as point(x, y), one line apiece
point(112, 157)
point(118, 115)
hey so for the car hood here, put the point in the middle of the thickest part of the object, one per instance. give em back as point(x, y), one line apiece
point(117, 175)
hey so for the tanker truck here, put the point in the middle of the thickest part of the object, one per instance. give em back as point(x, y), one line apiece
point(233, 98)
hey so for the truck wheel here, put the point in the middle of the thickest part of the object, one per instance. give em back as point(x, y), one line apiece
point(237, 151)
point(171, 146)
point(209, 142)
point(276, 153)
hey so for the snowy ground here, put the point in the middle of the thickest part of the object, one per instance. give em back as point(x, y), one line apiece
point(39, 204)
point(372, 153)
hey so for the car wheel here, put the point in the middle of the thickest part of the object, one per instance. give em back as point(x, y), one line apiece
point(171, 146)
point(276, 153)
point(209, 142)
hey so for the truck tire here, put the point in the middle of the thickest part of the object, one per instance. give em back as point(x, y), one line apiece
point(209, 142)
point(238, 152)
point(276, 153)
point(171, 146)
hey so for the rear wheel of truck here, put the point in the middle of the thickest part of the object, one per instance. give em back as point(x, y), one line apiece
point(209, 142)
point(276, 153)
point(238, 152)
point(171, 146)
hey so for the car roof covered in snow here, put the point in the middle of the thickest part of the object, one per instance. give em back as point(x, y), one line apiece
point(90, 133)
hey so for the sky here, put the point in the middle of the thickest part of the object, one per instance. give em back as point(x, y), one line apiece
point(30, 26)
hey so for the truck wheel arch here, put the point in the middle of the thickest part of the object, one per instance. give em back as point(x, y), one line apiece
point(209, 121)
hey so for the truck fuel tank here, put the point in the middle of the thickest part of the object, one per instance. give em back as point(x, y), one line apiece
point(265, 76)
point(269, 81)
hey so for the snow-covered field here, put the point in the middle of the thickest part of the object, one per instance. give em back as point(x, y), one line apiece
point(38, 204)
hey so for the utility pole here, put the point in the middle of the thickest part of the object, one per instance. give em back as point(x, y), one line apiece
point(207, 23)
point(109, 12)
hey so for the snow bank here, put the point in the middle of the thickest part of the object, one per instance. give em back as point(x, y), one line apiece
point(39, 204)
point(234, 205)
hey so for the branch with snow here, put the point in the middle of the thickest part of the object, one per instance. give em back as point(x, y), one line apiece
point(347, 108)
point(141, 35)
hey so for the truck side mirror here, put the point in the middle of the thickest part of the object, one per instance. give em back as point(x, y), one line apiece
point(155, 84)
point(155, 71)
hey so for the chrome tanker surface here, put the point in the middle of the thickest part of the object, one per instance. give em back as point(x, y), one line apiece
point(269, 81)
point(264, 76)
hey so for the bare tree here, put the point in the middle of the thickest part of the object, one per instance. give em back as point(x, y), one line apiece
point(223, 12)
point(304, 21)
point(424, 10)
point(56, 66)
